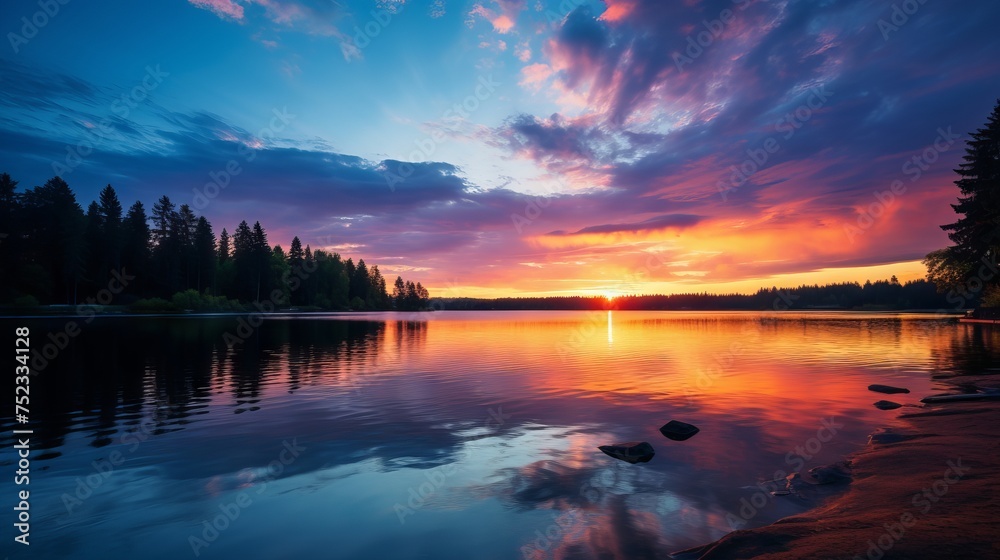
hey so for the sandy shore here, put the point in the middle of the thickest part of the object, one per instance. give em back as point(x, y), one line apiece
point(931, 494)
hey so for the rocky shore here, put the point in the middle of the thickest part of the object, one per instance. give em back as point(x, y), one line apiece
point(927, 488)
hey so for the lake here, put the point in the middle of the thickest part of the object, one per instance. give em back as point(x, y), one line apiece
point(449, 435)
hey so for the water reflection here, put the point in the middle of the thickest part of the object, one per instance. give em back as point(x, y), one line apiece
point(478, 430)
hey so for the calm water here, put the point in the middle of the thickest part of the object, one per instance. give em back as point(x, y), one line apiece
point(448, 435)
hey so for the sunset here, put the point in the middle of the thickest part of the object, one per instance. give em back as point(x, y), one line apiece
point(500, 279)
point(515, 148)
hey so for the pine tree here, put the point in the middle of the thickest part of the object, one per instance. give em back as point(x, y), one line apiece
point(977, 233)
point(54, 222)
point(94, 275)
point(360, 282)
point(10, 212)
point(296, 257)
point(205, 257)
point(225, 251)
point(167, 255)
point(295, 253)
point(243, 257)
point(111, 230)
point(399, 293)
point(136, 242)
point(163, 218)
point(262, 261)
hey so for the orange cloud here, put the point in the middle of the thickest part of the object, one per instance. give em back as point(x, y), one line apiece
point(617, 10)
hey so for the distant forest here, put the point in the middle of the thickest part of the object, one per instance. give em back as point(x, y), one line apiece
point(882, 295)
point(52, 252)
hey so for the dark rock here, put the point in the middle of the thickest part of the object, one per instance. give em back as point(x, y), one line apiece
point(887, 405)
point(887, 389)
point(831, 474)
point(678, 431)
point(961, 397)
point(631, 451)
point(887, 435)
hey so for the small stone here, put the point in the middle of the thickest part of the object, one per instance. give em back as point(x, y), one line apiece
point(678, 431)
point(631, 451)
point(831, 474)
point(883, 436)
point(887, 405)
point(887, 389)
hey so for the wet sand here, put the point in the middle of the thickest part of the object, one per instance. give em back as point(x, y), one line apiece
point(933, 493)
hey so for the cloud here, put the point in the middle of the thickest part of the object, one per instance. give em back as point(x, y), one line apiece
point(637, 143)
point(312, 17)
point(534, 75)
point(502, 15)
point(226, 9)
point(679, 221)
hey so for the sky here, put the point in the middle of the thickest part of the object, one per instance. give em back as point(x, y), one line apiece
point(521, 147)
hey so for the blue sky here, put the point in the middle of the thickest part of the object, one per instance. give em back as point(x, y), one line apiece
point(595, 137)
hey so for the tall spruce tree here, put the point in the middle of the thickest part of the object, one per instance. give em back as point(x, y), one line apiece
point(136, 248)
point(976, 233)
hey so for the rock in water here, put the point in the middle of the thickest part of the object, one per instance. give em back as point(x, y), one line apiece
point(678, 431)
point(883, 436)
point(631, 451)
point(887, 405)
point(887, 389)
point(832, 474)
point(963, 397)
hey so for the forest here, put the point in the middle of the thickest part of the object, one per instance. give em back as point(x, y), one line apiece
point(54, 252)
point(881, 295)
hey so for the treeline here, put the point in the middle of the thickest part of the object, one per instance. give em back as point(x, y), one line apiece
point(52, 252)
point(880, 295)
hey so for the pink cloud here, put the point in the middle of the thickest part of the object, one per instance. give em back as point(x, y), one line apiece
point(502, 18)
point(226, 9)
point(523, 51)
point(502, 23)
point(534, 74)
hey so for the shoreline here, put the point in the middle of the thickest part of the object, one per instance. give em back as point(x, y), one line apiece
point(925, 489)
point(930, 313)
